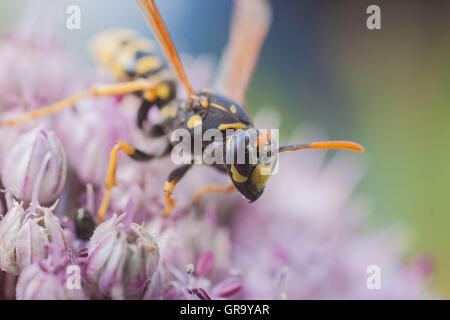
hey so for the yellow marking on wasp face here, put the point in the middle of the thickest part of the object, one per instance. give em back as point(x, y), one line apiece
point(260, 175)
point(147, 64)
point(236, 125)
point(194, 121)
point(233, 108)
point(163, 91)
point(215, 105)
point(237, 176)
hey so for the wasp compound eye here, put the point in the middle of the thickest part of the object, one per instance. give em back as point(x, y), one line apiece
point(244, 167)
point(84, 224)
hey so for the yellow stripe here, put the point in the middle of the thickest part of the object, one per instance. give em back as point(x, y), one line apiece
point(215, 105)
point(229, 142)
point(163, 91)
point(236, 125)
point(260, 176)
point(194, 121)
point(126, 54)
point(150, 95)
point(147, 64)
point(169, 112)
point(237, 176)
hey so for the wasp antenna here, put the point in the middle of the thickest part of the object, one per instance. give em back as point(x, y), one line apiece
point(344, 145)
point(153, 17)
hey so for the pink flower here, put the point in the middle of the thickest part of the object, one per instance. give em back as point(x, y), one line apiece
point(35, 68)
point(195, 284)
point(305, 239)
point(50, 280)
point(121, 259)
point(35, 168)
point(25, 235)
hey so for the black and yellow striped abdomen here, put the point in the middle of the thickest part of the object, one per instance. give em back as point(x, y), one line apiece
point(128, 57)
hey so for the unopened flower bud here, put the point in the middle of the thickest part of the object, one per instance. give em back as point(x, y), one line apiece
point(25, 234)
point(35, 167)
point(121, 259)
point(51, 279)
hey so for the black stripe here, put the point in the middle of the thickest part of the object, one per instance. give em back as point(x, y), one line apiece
point(178, 173)
point(139, 155)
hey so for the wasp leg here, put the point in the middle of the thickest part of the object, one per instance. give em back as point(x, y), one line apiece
point(173, 179)
point(155, 130)
point(95, 90)
point(213, 188)
point(110, 180)
point(143, 112)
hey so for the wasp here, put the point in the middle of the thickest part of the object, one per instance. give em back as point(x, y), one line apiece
point(143, 73)
point(128, 56)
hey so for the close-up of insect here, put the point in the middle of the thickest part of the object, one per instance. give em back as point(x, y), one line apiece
point(144, 152)
point(130, 58)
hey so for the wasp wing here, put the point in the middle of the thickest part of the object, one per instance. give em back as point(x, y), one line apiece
point(249, 27)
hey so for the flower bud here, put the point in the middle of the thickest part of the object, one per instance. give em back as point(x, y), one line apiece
point(37, 283)
point(54, 278)
point(35, 167)
point(25, 234)
point(121, 259)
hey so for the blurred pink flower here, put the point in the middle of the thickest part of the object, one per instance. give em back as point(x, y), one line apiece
point(36, 69)
point(35, 168)
point(309, 226)
point(25, 235)
point(50, 279)
point(304, 239)
point(121, 259)
point(195, 282)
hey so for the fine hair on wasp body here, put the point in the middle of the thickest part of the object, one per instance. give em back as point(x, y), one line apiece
point(132, 60)
point(128, 56)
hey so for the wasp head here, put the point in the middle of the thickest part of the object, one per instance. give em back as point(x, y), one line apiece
point(249, 161)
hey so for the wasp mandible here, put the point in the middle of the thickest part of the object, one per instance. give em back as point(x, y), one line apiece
point(131, 59)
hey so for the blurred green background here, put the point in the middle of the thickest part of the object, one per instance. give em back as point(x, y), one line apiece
point(388, 89)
